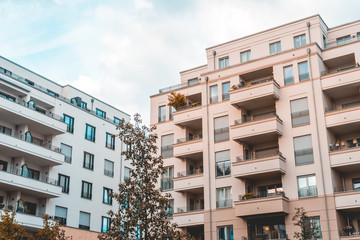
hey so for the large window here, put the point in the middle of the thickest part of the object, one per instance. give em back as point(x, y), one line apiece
point(108, 168)
point(61, 215)
point(223, 62)
point(64, 183)
point(90, 133)
point(299, 41)
point(223, 163)
point(288, 75)
point(343, 40)
point(105, 224)
point(100, 113)
point(110, 141)
point(107, 199)
point(214, 94)
point(307, 186)
point(275, 47)
point(162, 114)
point(69, 122)
point(303, 150)
point(86, 190)
point(245, 56)
point(299, 112)
point(223, 197)
point(225, 233)
point(88, 161)
point(84, 221)
point(225, 90)
point(67, 151)
point(221, 129)
point(167, 142)
point(167, 179)
point(126, 173)
point(303, 71)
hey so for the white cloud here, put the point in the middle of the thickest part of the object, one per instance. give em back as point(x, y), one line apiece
point(142, 4)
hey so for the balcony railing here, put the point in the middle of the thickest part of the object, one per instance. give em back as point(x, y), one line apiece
point(43, 179)
point(250, 196)
point(189, 139)
point(339, 69)
point(253, 83)
point(345, 145)
point(35, 141)
point(191, 105)
point(272, 153)
point(254, 118)
point(340, 189)
point(190, 173)
point(178, 86)
point(167, 184)
point(189, 209)
point(224, 203)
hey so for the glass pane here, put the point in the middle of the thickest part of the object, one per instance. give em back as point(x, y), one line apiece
point(303, 40)
point(278, 46)
point(226, 62)
point(297, 41)
point(227, 167)
point(272, 48)
point(219, 169)
point(221, 63)
point(312, 181)
point(288, 71)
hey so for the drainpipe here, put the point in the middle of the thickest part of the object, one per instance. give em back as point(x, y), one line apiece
point(318, 140)
point(208, 145)
point(214, 54)
point(308, 26)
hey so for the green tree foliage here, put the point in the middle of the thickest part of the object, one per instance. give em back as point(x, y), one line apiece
point(9, 228)
point(143, 208)
point(177, 100)
point(309, 229)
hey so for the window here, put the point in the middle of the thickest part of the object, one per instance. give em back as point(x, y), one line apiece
point(100, 113)
point(110, 141)
point(223, 197)
point(167, 142)
point(64, 182)
point(84, 221)
point(307, 186)
point(288, 75)
point(105, 224)
point(5, 130)
point(61, 215)
point(303, 150)
point(167, 179)
point(171, 112)
point(303, 71)
point(225, 90)
point(107, 199)
point(34, 174)
point(223, 163)
point(193, 81)
point(343, 40)
point(69, 122)
point(275, 47)
point(86, 190)
point(356, 183)
point(7, 96)
point(358, 35)
point(315, 221)
point(223, 62)
point(117, 121)
point(31, 83)
point(52, 93)
point(126, 173)
point(83, 105)
point(324, 41)
point(299, 112)
point(109, 168)
point(221, 129)
point(213, 94)
point(299, 41)
point(270, 190)
point(88, 161)
point(245, 56)
point(90, 133)
point(170, 209)
point(67, 151)
point(162, 113)
point(225, 233)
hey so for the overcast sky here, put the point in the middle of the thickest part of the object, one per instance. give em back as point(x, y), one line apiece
point(123, 51)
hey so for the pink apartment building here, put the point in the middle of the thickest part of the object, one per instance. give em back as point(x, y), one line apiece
point(273, 123)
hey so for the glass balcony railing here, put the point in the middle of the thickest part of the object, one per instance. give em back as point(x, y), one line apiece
point(254, 118)
point(178, 86)
point(189, 139)
point(189, 209)
point(18, 172)
point(249, 196)
point(190, 173)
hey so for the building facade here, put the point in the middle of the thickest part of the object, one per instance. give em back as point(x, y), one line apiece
point(272, 124)
point(59, 153)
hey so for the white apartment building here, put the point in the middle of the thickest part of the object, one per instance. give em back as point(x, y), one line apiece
point(58, 152)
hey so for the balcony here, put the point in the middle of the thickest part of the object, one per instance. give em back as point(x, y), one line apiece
point(341, 78)
point(347, 200)
point(257, 93)
point(40, 120)
point(345, 158)
point(44, 154)
point(31, 222)
point(188, 147)
point(44, 187)
point(256, 205)
point(188, 181)
point(266, 166)
point(346, 116)
point(186, 217)
point(189, 116)
point(269, 126)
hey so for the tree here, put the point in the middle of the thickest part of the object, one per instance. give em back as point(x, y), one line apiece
point(51, 230)
point(177, 100)
point(309, 229)
point(9, 228)
point(142, 212)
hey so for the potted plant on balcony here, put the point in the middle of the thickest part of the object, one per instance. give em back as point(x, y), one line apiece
point(177, 100)
point(10, 207)
point(349, 229)
point(249, 195)
point(2, 205)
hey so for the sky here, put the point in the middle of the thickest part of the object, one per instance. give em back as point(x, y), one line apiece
point(124, 51)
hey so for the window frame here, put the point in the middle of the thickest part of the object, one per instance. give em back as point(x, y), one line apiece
point(287, 78)
point(231, 237)
point(83, 226)
point(343, 40)
point(88, 194)
point(162, 115)
point(108, 223)
point(307, 186)
point(303, 151)
point(100, 113)
point(247, 56)
point(224, 62)
point(225, 94)
point(66, 187)
point(107, 199)
point(301, 113)
point(303, 76)
point(117, 121)
point(90, 137)
point(277, 47)
point(65, 156)
point(302, 40)
point(224, 164)
point(109, 174)
point(214, 98)
point(91, 161)
point(70, 125)
point(111, 144)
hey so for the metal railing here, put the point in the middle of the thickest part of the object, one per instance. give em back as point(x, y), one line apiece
point(224, 203)
point(345, 145)
point(167, 184)
point(178, 86)
point(189, 139)
point(33, 141)
point(254, 118)
point(273, 153)
point(339, 69)
point(189, 209)
point(191, 105)
point(43, 179)
point(253, 83)
point(190, 173)
point(342, 106)
point(260, 196)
